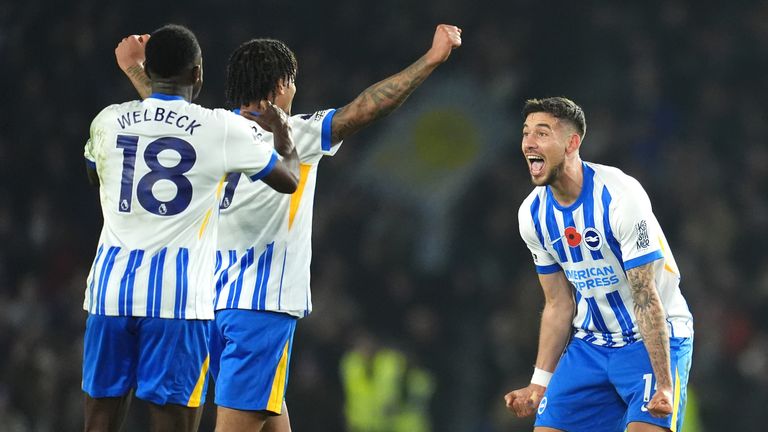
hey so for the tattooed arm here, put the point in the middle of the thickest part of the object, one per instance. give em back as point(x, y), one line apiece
point(653, 328)
point(385, 96)
point(130, 57)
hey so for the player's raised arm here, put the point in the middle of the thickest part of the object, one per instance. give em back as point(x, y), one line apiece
point(129, 54)
point(284, 177)
point(555, 330)
point(387, 95)
point(653, 328)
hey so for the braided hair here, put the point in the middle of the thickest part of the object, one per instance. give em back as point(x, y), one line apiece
point(255, 69)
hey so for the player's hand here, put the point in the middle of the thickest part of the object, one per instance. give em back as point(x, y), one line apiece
point(130, 51)
point(524, 402)
point(447, 38)
point(660, 404)
point(267, 115)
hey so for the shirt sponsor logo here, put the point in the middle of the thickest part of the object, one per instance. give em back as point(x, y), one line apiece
point(592, 277)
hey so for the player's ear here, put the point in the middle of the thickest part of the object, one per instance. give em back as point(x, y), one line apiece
point(574, 143)
point(281, 87)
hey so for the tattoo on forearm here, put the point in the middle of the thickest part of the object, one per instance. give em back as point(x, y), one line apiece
point(650, 319)
point(140, 79)
point(379, 100)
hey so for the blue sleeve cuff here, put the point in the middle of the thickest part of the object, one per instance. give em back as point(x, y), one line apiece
point(548, 269)
point(642, 260)
point(325, 133)
point(267, 169)
point(90, 164)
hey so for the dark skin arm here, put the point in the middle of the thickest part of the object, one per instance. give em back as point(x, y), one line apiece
point(387, 95)
point(93, 176)
point(653, 328)
point(284, 177)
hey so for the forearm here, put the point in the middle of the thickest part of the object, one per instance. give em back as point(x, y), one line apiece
point(651, 322)
point(555, 331)
point(380, 99)
point(139, 79)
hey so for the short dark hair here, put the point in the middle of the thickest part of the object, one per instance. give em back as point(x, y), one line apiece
point(171, 50)
point(559, 107)
point(255, 68)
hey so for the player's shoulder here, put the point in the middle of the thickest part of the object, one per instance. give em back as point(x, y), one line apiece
point(316, 117)
point(115, 110)
point(615, 180)
point(524, 212)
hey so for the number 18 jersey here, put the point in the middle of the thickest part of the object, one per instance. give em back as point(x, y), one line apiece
point(161, 164)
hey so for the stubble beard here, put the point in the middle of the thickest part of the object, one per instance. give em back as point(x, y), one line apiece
point(551, 177)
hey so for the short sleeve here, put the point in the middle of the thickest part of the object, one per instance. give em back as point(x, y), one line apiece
point(312, 135)
point(96, 135)
point(530, 231)
point(90, 159)
point(246, 149)
point(635, 227)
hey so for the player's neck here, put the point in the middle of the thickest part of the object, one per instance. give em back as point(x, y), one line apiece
point(567, 188)
point(173, 89)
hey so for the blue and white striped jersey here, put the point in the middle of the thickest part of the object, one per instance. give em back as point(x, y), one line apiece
point(161, 164)
point(265, 238)
point(610, 229)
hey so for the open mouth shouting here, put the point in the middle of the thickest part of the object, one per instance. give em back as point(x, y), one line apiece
point(535, 164)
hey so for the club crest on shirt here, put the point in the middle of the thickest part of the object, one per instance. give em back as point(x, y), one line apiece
point(592, 239)
point(542, 405)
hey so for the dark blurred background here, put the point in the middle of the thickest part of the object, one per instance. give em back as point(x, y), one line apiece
point(415, 237)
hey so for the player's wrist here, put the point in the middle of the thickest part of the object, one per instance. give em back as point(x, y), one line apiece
point(541, 377)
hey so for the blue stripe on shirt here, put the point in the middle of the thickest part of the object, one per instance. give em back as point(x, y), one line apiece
point(179, 305)
point(267, 169)
point(598, 320)
point(221, 281)
point(612, 242)
point(589, 206)
point(236, 287)
point(106, 270)
point(554, 230)
point(325, 132)
point(622, 316)
point(548, 269)
point(126, 282)
point(155, 284)
point(94, 275)
point(264, 283)
point(642, 260)
point(575, 251)
point(536, 223)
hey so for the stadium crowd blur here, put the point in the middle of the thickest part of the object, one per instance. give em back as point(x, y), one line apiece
point(674, 95)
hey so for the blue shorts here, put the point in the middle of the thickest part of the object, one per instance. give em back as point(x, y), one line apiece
point(165, 360)
point(597, 389)
point(250, 352)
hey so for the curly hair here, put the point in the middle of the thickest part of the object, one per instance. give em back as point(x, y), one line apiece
point(255, 69)
point(561, 108)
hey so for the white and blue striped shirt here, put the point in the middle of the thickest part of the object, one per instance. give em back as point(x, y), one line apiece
point(265, 238)
point(161, 164)
point(610, 229)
